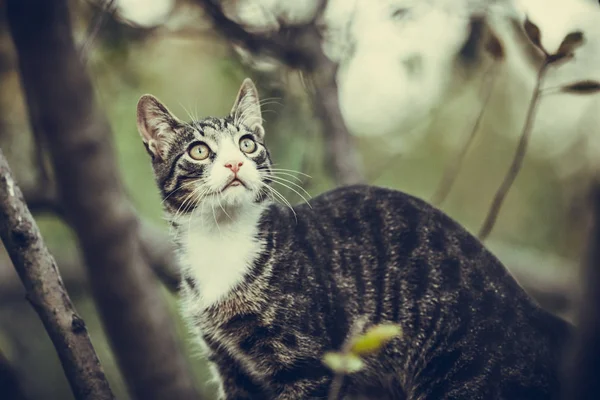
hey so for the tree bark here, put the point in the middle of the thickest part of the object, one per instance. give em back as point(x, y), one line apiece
point(45, 291)
point(60, 99)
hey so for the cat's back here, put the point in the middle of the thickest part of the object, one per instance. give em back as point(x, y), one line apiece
point(410, 263)
point(392, 218)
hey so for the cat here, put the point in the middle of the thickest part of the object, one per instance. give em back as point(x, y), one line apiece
point(268, 288)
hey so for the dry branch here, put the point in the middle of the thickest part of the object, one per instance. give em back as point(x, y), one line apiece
point(60, 97)
point(453, 168)
point(517, 163)
point(45, 291)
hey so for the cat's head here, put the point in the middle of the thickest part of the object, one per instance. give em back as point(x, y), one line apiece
point(213, 162)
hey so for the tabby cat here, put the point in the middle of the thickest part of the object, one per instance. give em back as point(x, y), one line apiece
point(269, 288)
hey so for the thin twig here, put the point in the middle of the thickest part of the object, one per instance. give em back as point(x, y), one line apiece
point(452, 170)
point(338, 380)
point(46, 293)
point(94, 28)
point(517, 162)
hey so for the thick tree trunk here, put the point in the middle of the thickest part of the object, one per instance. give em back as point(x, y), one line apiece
point(60, 98)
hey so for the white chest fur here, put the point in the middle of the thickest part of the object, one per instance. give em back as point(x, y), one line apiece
point(217, 257)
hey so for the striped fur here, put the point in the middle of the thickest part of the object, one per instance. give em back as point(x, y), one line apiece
point(295, 281)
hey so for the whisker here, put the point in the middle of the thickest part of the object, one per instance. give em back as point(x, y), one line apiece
point(177, 212)
point(212, 205)
point(295, 191)
point(270, 98)
point(277, 173)
point(291, 171)
point(189, 114)
point(290, 182)
point(220, 205)
point(282, 199)
point(185, 184)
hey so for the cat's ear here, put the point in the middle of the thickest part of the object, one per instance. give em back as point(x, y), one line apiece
point(246, 109)
point(156, 125)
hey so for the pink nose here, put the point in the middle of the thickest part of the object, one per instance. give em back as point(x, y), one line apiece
point(234, 166)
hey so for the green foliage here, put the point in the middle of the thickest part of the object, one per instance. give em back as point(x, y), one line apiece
point(349, 359)
point(375, 338)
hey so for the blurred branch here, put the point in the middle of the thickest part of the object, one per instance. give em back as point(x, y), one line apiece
point(106, 7)
point(583, 361)
point(10, 388)
point(72, 274)
point(300, 48)
point(45, 291)
point(342, 157)
point(452, 170)
point(564, 54)
point(517, 163)
point(289, 45)
point(156, 246)
point(60, 95)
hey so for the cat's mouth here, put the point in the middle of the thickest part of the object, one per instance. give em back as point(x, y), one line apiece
point(234, 183)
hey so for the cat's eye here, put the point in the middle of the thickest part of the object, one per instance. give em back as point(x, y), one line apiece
point(247, 145)
point(199, 151)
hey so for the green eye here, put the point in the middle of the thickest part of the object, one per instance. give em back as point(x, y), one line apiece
point(199, 151)
point(247, 145)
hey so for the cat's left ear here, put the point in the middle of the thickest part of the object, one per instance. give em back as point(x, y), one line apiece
point(246, 109)
point(157, 126)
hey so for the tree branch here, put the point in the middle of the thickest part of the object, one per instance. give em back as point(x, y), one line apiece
point(300, 48)
point(45, 291)
point(515, 167)
point(342, 157)
point(453, 168)
point(60, 96)
point(157, 247)
point(287, 45)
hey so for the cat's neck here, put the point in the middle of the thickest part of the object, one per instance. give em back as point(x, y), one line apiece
point(218, 247)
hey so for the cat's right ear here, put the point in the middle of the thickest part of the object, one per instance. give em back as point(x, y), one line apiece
point(156, 125)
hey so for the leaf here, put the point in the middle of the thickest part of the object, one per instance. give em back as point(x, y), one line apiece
point(343, 363)
point(534, 34)
point(494, 46)
point(582, 87)
point(570, 43)
point(375, 338)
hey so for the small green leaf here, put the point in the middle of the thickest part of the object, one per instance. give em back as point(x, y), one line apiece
point(343, 363)
point(375, 338)
point(582, 87)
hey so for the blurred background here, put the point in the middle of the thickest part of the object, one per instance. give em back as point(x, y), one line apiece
point(391, 93)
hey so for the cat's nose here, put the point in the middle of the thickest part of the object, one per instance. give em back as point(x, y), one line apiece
point(234, 166)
